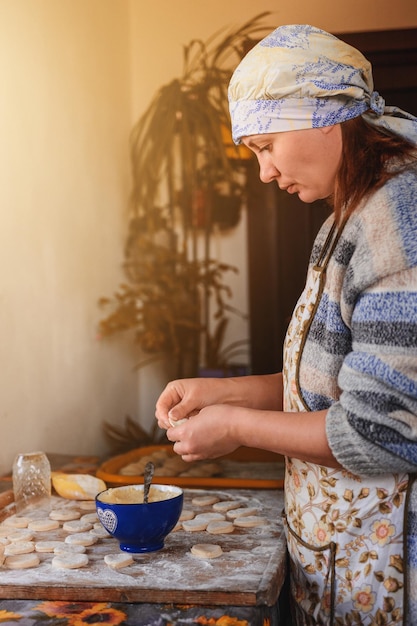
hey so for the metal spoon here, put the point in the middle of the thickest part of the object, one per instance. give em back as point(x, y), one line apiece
point(147, 479)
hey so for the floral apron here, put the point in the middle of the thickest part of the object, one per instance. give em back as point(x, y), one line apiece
point(344, 532)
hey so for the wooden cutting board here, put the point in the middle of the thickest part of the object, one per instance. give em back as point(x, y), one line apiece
point(250, 571)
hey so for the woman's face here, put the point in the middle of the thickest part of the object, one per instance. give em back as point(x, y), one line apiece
point(301, 161)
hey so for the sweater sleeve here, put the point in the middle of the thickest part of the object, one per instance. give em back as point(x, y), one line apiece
point(372, 427)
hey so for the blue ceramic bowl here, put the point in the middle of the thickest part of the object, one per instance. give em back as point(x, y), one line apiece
point(137, 526)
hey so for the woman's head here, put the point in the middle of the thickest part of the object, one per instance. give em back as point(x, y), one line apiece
point(300, 78)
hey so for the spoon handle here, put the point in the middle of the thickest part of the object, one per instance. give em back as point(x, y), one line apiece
point(147, 479)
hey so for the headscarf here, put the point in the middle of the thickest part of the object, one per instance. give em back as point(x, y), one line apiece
point(301, 77)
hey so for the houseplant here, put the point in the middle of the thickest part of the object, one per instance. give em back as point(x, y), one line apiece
point(188, 183)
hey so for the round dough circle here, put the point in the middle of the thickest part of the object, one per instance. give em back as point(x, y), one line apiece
point(91, 518)
point(177, 422)
point(77, 526)
point(206, 550)
point(87, 505)
point(81, 539)
point(70, 561)
point(66, 548)
point(100, 532)
point(209, 517)
point(186, 514)
point(116, 561)
point(43, 525)
point(226, 505)
point(16, 521)
point(204, 500)
point(218, 527)
point(241, 512)
point(47, 546)
point(194, 525)
point(22, 561)
point(21, 535)
point(19, 547)
point(249, 521)
point(64, 515)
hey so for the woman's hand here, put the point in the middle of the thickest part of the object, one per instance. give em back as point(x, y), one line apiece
point(183, 398)
point(222, 428)
point(210, 434)
point(186, 397)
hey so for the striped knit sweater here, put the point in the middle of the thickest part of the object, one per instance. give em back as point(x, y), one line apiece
point(359, 358)
point(360, 355)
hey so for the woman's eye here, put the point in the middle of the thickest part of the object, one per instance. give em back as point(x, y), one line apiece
point(266, 148)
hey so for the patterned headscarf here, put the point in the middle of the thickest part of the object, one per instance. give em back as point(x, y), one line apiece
point(302, 77)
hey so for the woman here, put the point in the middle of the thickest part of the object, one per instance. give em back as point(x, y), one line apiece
point(344, 409)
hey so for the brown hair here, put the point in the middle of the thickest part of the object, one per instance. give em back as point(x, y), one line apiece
point(366, 153)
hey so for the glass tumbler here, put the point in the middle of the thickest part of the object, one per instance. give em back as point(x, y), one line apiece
point(31, 480)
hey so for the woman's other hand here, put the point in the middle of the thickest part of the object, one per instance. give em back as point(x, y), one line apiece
point(210, 434)
point(185, 397)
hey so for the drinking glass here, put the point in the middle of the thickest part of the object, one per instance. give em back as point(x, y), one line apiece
point(31, 480)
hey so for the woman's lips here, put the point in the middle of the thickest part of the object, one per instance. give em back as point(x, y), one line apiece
point(289, 188)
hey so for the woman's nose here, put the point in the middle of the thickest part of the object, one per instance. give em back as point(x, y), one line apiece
point(267, 171)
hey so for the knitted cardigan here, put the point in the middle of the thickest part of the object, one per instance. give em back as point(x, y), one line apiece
point(359, 358)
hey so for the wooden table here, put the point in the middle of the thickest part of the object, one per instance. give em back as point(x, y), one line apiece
point(243, 584)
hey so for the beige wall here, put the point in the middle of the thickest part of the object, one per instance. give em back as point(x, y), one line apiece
point(75, 75)
point(64, 122)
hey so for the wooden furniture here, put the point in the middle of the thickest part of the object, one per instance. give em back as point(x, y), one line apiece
point(244, 583)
